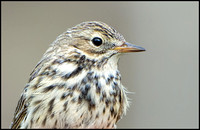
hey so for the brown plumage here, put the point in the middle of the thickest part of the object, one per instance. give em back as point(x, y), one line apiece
point(76, 84)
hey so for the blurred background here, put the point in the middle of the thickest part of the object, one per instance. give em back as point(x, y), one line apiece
point(164, 78)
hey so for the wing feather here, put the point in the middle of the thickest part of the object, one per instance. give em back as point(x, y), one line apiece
point(20, 113)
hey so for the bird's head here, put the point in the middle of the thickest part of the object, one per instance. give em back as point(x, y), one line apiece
point(96, 40)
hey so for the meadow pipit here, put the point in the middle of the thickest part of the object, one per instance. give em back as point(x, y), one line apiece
point(77, 83)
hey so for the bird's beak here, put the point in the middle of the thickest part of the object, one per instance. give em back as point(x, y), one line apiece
point(127, 47)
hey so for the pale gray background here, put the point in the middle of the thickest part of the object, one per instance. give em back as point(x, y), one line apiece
point(165, 77)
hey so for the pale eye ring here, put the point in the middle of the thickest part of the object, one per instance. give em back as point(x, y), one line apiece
point(97, 41)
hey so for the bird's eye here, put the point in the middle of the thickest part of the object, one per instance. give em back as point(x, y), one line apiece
point(97, 41)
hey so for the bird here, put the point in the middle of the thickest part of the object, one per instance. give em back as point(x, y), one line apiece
point(77, 84)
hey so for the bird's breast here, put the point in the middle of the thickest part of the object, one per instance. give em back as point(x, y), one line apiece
point(75, 97)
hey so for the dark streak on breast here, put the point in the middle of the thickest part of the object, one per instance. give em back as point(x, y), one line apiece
point(74, 73)
point(51, 102)
point(44, 121)
point(46, 89)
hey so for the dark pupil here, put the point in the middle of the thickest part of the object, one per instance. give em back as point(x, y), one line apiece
point(97, 41)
